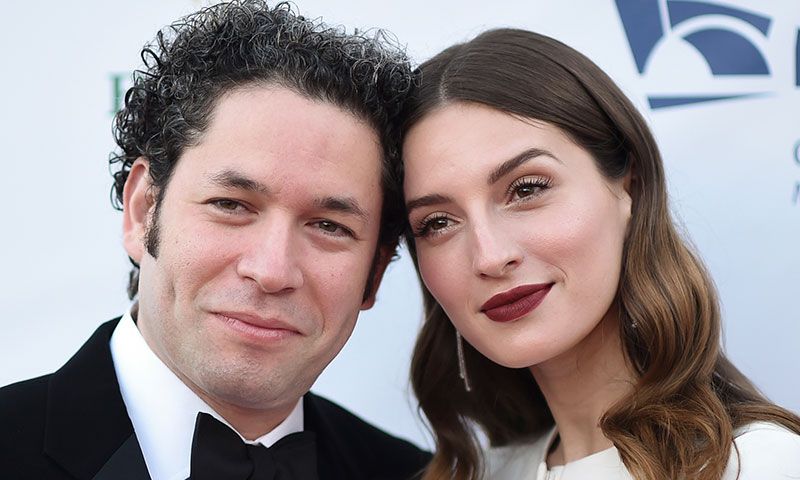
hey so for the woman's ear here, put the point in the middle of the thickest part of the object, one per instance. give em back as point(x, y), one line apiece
point(630, 182)
point(629, 186)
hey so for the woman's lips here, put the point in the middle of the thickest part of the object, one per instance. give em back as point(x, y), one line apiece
point(515, 303)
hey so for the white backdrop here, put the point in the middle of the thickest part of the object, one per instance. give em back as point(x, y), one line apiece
point(733, 169)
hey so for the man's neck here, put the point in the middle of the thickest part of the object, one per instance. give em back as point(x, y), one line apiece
point(250, 423)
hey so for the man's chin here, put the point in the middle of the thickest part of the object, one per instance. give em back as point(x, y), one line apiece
point(254, 391)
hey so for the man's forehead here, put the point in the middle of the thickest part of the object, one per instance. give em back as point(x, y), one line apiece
point(283, 118)
point(284, 90)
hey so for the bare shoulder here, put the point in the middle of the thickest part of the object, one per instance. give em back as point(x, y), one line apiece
point(764, 450)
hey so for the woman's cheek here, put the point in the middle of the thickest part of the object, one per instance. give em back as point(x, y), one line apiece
point(439, 273)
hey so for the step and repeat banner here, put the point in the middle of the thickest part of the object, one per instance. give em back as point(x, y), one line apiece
point(718, 81)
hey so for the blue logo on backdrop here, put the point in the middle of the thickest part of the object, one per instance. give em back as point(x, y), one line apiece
point(723, 36)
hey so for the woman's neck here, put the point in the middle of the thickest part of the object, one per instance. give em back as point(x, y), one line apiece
point(580, 386)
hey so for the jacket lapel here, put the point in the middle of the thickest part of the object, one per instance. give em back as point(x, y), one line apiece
point(335, 461)
point(126, 463)
point(87, 430)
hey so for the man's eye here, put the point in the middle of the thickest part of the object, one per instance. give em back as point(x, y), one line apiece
point(226, 204)
point(328, 226)
point(334, 229)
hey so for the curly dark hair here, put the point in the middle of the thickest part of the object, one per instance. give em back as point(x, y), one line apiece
point(192, 62)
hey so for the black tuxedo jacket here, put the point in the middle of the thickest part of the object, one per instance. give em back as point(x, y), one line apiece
point(73, 425)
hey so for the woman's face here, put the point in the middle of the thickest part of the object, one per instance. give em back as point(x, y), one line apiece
point(518, 234)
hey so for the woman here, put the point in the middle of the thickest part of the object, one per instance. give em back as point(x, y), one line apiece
point(591, 334)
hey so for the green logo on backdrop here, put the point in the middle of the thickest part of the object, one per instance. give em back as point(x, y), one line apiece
point(119, 85)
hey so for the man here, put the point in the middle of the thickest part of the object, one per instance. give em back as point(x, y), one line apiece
point(259, 215)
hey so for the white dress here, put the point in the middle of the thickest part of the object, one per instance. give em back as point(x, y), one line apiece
point(766, 451)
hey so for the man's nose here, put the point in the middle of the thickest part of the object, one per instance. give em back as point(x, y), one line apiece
point(271, 256)
point(494, 253)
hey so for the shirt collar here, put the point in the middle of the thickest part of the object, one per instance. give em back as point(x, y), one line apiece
point(163, 409)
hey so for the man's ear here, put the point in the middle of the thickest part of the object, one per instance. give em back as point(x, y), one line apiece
point(137, 201)
point(383, 257)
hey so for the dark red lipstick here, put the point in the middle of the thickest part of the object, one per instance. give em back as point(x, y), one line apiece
point(515, 303)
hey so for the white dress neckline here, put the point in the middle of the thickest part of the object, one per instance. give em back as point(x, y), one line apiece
point(764, 450)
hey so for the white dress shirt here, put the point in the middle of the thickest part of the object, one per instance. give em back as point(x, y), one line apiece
point(163, 409)
point(766, 452)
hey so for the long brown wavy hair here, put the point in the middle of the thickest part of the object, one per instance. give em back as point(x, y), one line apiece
point(688, 399)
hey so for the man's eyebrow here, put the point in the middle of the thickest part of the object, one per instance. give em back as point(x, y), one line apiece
point(517, 160)
point(235, 180)
point(344, 205)
point(426, 201)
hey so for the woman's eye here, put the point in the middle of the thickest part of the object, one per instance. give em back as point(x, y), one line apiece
point(526, 187)
point(433, 225)
point(439, 223)
point(525, 190)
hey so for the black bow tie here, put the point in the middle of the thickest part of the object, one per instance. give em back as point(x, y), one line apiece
point(218, 453)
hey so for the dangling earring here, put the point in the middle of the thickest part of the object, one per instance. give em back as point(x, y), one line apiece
point(462, 364)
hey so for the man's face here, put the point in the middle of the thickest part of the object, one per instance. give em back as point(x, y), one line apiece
point(267, 233)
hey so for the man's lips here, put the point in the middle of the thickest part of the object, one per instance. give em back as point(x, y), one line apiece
point(515, 303)
point(257, 326)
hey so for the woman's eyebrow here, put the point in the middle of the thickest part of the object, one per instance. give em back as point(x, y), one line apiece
point(517, 160)
point(427, 200)
point(498, 173)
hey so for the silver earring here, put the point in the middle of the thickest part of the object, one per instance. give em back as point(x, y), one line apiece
point(462, 364)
